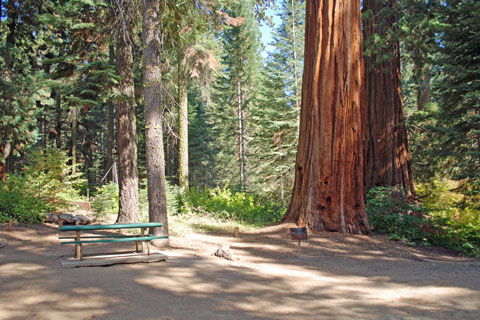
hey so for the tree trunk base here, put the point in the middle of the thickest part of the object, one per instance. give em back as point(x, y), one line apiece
point(160, 243)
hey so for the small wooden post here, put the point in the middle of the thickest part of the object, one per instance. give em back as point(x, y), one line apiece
point(299, 246)
point(236, 230)
point(136, 246)
point(10, 224)
point(148, 247)
point(78, 246)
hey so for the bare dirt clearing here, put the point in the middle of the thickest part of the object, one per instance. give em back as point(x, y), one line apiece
point(337, 277)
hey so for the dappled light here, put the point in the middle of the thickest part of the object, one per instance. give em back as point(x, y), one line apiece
point(339, 276)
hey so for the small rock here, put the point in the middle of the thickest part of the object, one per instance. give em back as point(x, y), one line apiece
point(224, 252)
point(3, 243)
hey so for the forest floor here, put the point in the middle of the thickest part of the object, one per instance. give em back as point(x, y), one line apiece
point(336, 277)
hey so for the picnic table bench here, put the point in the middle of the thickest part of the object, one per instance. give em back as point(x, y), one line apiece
point(141, 239)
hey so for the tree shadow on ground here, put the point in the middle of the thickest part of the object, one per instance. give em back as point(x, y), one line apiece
point(328, 283)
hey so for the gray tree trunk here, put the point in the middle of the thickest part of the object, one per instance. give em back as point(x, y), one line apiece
point(182, 121)
point(127, 137)
point(152, 77)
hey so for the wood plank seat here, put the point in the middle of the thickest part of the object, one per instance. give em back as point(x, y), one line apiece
point(79, 239)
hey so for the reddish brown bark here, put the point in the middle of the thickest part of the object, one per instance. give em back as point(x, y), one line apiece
point(387, 160)
point(328, 189)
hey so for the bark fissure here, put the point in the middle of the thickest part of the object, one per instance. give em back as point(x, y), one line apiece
point(328, 189)
point(152, 78)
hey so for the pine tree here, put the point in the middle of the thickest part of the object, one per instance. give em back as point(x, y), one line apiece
point(275, 141)
point(152, 80)
point(127, 136)
point(238, 87)
point(459, 86)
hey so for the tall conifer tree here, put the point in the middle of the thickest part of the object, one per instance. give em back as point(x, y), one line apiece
point(387, 159)
point(328, 191)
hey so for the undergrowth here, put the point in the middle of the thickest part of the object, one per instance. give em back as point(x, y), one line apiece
point(439, 220)
point(225, 204)
point(46, 185)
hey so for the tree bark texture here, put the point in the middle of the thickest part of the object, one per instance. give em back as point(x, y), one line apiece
point(387, 160)
point(328, 190)
point(152, 77)
point(126, 135)
point(182, 120)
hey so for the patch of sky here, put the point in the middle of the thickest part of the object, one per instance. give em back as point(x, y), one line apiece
point(266, 31)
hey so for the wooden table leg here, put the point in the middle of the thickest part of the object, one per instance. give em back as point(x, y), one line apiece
point(143, 242)
point(78, 246)
point(136, 246)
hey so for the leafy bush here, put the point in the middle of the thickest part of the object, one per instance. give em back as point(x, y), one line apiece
point(456, 211)
point(22, 201)
point(223, 203)
point(105, 200)
point(391, 213)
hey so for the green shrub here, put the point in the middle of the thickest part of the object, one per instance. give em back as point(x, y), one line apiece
point(105, 200)
point(45, 185)
point(223, 203)
point(445, 225)
point(391, 213)
point(22, 201)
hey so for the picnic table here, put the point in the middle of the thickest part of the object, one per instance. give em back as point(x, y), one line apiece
point(141, 239)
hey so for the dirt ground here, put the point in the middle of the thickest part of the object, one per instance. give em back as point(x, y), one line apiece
point(336, 277)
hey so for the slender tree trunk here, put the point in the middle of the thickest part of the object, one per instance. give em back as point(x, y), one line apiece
point(328, 190)
point(111, 120)
point(74, 139)
point(241, 136)
point(5, 150)
point(58, 125)
point(126, 135)
point(44, 123)
point(387, 161)
point(424, 90)
point(152, 77)
point(182, 121)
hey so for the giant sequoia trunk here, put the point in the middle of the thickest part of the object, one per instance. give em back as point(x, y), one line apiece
point(152, 77)
point(182, 120)
point(328, 190)
point(126, 134)
point(387, 161)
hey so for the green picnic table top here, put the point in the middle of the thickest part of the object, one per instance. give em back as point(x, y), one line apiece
point(147, 238)
point(110, 226)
